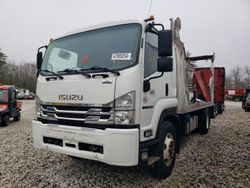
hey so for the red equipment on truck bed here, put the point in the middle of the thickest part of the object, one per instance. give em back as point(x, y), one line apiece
point(204, 74)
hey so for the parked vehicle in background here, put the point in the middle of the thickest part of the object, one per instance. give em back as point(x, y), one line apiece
point(235, 94)
point(219, 87)
point(9, 106)
point(20, 96)
point(32, 95)
point(122, 93)
point(246, 100)
point(25, 96)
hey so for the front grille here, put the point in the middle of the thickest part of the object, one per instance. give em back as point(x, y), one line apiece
point(76, 114)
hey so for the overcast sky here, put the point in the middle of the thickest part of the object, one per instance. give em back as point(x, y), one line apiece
point(220, 26)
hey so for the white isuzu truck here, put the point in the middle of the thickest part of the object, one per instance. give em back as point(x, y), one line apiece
point(122, 93)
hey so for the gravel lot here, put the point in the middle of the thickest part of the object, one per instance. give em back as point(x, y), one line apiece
point(218, 159)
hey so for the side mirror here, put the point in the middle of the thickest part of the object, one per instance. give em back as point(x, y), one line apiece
point(39, 60)
point(165, 43)
point(165, 64)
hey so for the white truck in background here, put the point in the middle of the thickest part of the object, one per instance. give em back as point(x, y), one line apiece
point(122, 93)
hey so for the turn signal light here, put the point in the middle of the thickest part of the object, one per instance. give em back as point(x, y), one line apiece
point(151, 18)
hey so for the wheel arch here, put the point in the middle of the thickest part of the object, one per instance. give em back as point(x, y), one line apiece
point(166, 106)
point(175, 120)
point(165, 116)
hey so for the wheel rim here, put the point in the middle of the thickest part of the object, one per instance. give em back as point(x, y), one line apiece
point(207, 121)
point(168, 149)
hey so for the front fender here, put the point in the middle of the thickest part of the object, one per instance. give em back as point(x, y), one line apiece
point(161, 106)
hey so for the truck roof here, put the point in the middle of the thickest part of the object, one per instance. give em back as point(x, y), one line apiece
point(5, 87)
point(103, 25)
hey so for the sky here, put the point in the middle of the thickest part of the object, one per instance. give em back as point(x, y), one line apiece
point(208, 26)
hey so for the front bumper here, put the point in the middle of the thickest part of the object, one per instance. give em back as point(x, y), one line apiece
point(116, 146)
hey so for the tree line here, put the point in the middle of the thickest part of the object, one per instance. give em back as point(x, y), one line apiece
point(238, 77)
point(22, 74)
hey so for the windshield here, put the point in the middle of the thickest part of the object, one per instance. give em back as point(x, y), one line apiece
point(114, 48)
point(3, 96)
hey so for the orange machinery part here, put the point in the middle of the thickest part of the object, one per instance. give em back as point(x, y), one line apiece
point(219, 81)
point(3, 87)
point(202, 84)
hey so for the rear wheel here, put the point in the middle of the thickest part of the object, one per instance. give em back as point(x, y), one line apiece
point(166, 150)
point(203, 121)
point(17, 117)
point(5, 121)
point(213, 112)
point(220, 109)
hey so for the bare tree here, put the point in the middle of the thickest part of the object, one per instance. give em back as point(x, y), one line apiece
point(228, 82)
point(236, 76)
point(2, 62)
point(247, 75)
point(22, 75)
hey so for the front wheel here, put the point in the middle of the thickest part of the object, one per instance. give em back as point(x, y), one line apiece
point(166, 150)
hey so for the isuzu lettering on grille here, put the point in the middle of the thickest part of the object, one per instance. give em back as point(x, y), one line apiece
point(73, 97)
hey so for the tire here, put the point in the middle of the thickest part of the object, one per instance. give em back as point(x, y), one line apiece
point(220, 109)
point(247, 109)
point(5, 121)
point(212, 112)
point(203, 122)
point(237, 99)
point(166, 150)
point(243, 106)
point(216, 112)
point(18, 117)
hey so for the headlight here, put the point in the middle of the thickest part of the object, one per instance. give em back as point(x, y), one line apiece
point(124, 117)
point(125, 109)
point(126, 102)
point(2, 109)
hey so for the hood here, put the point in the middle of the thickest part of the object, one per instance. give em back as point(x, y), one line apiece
point(77, 89)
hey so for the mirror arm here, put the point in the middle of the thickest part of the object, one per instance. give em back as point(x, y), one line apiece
point(146, 83)
point(150, 28)
point(155, 77)
point(45, 46)
point(158, 24)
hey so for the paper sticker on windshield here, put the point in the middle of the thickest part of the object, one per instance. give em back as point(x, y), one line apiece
point(85, 59)
point(121, 56)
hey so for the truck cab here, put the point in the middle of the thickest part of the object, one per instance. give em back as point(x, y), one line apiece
point(9, 106)
point(118, 93)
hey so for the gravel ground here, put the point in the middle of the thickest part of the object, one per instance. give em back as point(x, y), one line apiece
point(218, 159)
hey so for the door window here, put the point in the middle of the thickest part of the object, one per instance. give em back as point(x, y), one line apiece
point(151, 54)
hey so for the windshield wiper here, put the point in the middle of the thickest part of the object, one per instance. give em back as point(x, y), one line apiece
point(102, 69)
point(53, 73)
point(76, 72)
